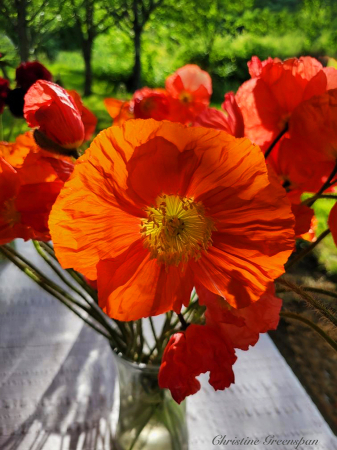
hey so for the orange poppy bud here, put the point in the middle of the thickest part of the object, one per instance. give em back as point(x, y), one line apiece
point(53, 111)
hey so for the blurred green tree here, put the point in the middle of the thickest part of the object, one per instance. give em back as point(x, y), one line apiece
point(136, 14)
point(27, 22)
point(91, 18)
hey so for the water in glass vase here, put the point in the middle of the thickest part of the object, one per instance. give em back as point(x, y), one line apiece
point(149, 419)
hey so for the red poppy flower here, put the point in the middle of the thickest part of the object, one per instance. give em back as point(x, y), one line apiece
point(54, 112)
point(151, 104)
point(332, 222)
point(212, 118)
point(192, 87)
point(231, 120)
point(309, 152)
point(88, 118)
point(4, 90)
point(27, 73)
point(154, 206)
point(303, 218)
point(241, 326)
point(268, 100)
point(188, 354)
point(29, 190)
point(234, 115)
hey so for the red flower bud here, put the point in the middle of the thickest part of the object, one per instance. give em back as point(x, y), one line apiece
point(54, 112)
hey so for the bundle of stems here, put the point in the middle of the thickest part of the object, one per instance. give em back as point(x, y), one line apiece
point(126, 338)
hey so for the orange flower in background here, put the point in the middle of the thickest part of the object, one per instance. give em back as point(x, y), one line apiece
point(88, 118)
point(53, 111)
point(154, 206)
point(191, 88)
point(151, 104)
point(187, 94)
point(15, 152)
point(29, 190)
point(190, 84)
point(188, 354)
point(268, 100)
point(119, 110)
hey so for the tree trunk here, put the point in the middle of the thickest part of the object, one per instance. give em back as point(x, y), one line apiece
point(87, 53)
point(22, 29)
point(137, 68)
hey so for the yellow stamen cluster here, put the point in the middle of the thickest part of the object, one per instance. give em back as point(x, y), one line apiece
point(185, 97)
point(176, 230)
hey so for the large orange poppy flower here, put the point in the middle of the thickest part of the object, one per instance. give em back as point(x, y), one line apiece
point(275, 90)
point(153, 206)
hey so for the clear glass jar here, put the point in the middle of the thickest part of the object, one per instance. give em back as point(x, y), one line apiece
point(149, 418)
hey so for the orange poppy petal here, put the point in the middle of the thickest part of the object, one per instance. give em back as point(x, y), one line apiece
point(132, 286)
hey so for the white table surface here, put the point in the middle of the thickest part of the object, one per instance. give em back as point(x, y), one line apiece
point(57, 380)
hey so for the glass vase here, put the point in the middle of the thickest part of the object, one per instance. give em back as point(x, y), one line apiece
point(149, 418)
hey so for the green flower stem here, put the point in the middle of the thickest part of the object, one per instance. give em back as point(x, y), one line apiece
point(322, 333)
point(75, 275)
point(307, 250)
point(309, 289)
point(139, 325)
point(332, 197)
point(314, 302)
point(153, 331)
point(93, 310)
point(58, 271)
point(92, 292)
point(320, 291)
point(46, 282)
point(27, 270)
point(143, 425)
point(183, 322)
